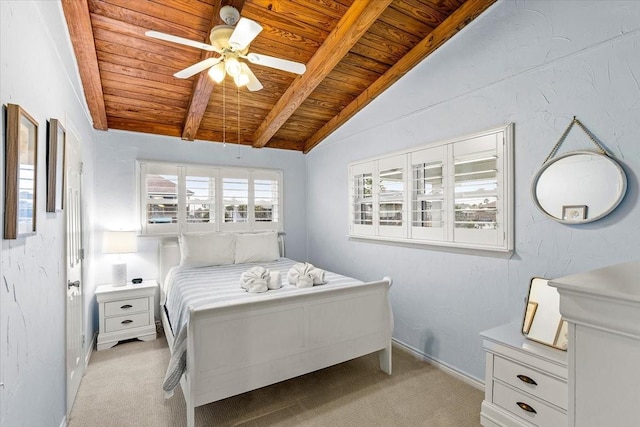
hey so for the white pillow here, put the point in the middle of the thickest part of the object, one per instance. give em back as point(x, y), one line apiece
point(202, 250)
point(257, 247)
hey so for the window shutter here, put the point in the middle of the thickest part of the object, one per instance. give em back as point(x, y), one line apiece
point(159, 198)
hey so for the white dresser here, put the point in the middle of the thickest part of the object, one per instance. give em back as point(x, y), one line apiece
point(525, 382)
point(602, 308)
point(126, 312)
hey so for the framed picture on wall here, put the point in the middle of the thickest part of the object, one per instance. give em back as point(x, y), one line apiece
point(574, 212)
point(55, 166)
point(21, 166)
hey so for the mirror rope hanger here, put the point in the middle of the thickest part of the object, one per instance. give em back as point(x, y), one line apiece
point(564, 136)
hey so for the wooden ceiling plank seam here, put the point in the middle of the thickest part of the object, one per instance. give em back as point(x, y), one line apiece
point(138, 64)
point(76, 13)
point(285, 50)
point(196, 8)
point(144, 21)
point(405, 23)
point(116, 77)
point(203, 87)
point(128, 71)
point(162, 12)
point(144, 103)
point(421, 11)
point(104, 31)
point(326, 7)
point(127, 92)
point(286, 24)
point(394, 34)
point(347, 32)
point(133, 125)
point(299, 13)
point(462, 16)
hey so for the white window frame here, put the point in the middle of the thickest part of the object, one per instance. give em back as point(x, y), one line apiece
point(218, 173)
point(496, 142)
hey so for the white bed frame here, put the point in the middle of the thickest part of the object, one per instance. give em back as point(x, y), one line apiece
point(235, 349)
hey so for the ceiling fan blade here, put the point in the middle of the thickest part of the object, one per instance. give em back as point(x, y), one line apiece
point(254, 84)
point(196, 68)
point(180, 40)
point(279, 63)
point(246, 30)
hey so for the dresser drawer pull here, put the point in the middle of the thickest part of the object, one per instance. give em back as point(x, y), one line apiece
point(526, 407)
point(126, 306)
point(526, 379)
point(126, 322)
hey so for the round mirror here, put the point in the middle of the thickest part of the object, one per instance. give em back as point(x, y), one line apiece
point(579, 187)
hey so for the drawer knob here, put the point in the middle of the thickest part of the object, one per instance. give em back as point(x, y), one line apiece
point(526, 407)
point(126, 306)
point(126, 322)
point(526, 379)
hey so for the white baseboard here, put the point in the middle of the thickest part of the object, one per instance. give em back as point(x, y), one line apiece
point(92, 345)
point(474, 382)
point(64, 422)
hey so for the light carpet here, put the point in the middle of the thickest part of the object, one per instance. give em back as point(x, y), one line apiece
point(122, 387)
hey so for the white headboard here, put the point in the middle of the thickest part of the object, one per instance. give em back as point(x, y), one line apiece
point(169, 254)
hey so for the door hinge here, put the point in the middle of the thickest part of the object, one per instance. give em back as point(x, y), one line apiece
point(82, 254)
point(83, 340)
point(81, 167)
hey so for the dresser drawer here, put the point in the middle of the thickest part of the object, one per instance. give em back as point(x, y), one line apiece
point(133, 305)
point(531, 381)
point(122, 323)
point(515, 402)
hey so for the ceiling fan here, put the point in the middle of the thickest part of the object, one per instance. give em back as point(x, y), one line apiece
point(232, 43)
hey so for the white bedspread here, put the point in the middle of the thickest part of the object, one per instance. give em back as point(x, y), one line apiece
point(207, 286)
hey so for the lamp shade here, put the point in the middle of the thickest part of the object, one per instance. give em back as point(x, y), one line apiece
point(119, 242)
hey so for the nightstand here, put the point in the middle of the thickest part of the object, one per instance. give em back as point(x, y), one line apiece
point(126, 312)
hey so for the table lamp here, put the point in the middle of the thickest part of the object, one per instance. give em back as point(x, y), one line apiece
point(119, 242)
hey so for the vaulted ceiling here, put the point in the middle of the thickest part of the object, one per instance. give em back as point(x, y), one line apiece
point(353, 50)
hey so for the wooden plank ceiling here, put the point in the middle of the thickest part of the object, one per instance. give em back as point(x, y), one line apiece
point(353, 50)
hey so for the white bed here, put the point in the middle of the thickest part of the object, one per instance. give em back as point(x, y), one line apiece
point(257, 341)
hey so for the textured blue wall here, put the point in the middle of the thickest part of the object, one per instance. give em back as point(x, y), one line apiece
point(534, 63)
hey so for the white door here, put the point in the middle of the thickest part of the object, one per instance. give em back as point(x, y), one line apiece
point(74, 252)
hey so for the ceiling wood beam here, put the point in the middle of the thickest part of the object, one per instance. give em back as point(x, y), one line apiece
point(466, 13)
point(76, 13)
point(203, 87)
point(355, 22)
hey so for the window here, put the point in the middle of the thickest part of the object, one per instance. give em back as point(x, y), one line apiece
point(194, 198)
point(455, 193)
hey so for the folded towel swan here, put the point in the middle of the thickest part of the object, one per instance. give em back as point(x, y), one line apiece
point(305, 275)
point(259, 279)
point(255, 280)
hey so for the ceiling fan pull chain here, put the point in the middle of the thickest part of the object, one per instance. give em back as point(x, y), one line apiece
point(224, 115)
point(238, 97)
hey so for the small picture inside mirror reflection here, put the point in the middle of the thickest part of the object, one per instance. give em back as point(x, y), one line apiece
point(528, 316)
point(574, 212)
point(562, 337)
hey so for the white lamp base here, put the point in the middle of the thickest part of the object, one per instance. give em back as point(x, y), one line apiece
point(119, 274)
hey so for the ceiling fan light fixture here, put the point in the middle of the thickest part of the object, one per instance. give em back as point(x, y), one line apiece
point(241, 79)
point(232, 66)
point(217, 72)
point(229, 14)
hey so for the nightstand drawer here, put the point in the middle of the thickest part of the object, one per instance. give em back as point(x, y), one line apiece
point(121, 323)
point(531, 381)
point(118, 308)
point(526, 407)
